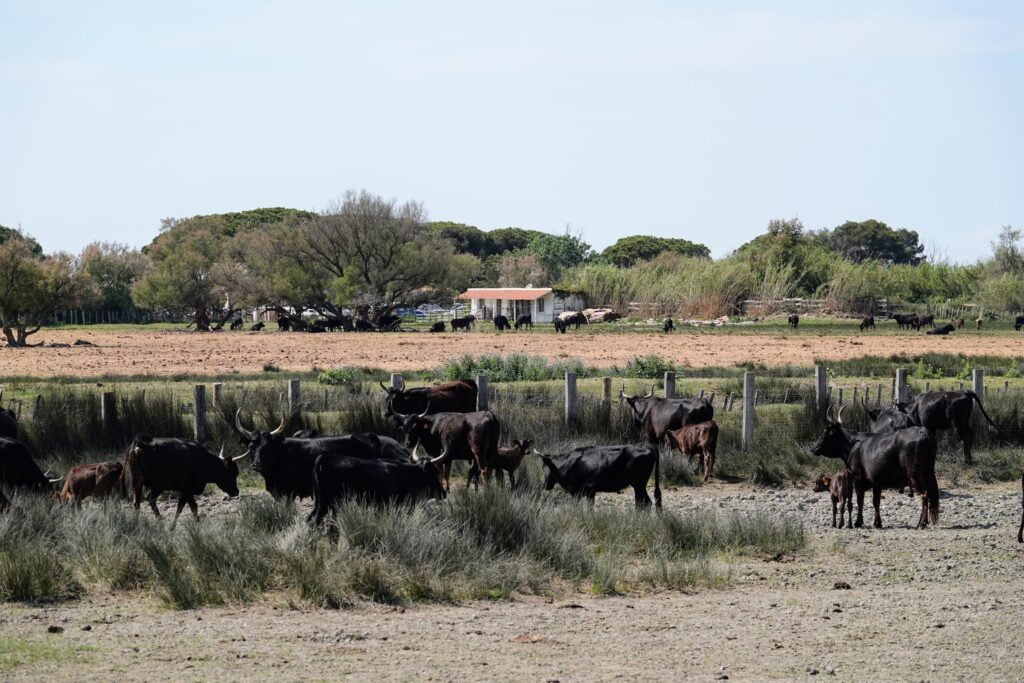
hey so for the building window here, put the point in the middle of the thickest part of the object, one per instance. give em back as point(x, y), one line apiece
point(540, 305)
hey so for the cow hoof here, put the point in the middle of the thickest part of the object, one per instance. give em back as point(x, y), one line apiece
point(878, 525)
point(858, 524)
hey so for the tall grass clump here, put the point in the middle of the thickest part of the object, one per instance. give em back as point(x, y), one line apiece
point(515, 367)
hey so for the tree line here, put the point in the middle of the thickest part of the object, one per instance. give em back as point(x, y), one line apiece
point(368, 254)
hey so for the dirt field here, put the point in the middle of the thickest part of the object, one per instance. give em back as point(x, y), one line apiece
point(939, 604)
point(168, 353)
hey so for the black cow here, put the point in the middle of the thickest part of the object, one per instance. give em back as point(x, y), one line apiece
point(332, 323)
point(236, 324)
point(160, 464)
point(868, 323)
point(389, 322)
point(458, 396)
point(316, 328)
point(935, 410)
point(455, 436)
point(8, 423)
point(524, 321)
point(438, 326)
point(286, 464)
point(257, 326)
point(501, 323)
point(464, 323)
point(589, 470)
point(560, 325)
point(1018, 323)
point(668, 326)
point(364, 326)
point(892, 460)
point(793, 320)
point(376, 481)
point(284, 324)
point(574, 318)
point(925, 320)
point(655, 416)
point(887, 420)
point(945, 329)
point(905, 320)
point(18, 469)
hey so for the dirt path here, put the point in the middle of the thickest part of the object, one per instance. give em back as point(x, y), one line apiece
point(939, 604)
point(168, 353)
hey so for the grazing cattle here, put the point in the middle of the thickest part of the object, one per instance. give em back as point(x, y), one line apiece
point(868, 323)
point(945, 329)
point(654, 416)
point(438, 326)
point(18, 469)
point(316, 328)
point(840, 488)
point(936, 410)
point(501, 323)
point(333, 323)
point(1018, 323)
point(455, 436)
point(524, 321)
point(337, 477)
point(509, 458)
point(236, 324)
point(364, 326)
point(668, 326)
point(892, 460)
point(589, 470)
point(286, 464)
point(925, 321)
point(793, 320)
point(257, 326)
point(905, 320)
point(977, 324)
point(959, 323)
point(99, 479)
point(699, 440)
point(458, 396)
point(574, 318)
point(8, 423)
point(465, 323)
point(161, 464)
point(284, 324)
point(887, 420)
point(560, 326)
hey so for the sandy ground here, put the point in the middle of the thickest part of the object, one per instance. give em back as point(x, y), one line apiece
point(168, 353)
point(939, 604)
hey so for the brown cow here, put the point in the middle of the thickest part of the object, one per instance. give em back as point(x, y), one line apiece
point(699, 439)
point(509, 458)
point(840, 488)
point(978, 323)
point(98, 479)
point(959, 322)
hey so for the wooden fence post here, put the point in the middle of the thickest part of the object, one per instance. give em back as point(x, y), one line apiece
point(854, 401)
point(294, 393)
point(878, 395)
point(218, 394)
point(570, 397)
point(978, 382)
point(199, 414)
point(749, 388)
point(396, 380)
point(606, 391)
point(901, 385)
point(483, 392)
point(821, 388)
point(108, 410)
point(670, 384)
point(839, 398)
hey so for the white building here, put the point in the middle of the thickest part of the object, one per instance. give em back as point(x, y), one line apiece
point(543, 303)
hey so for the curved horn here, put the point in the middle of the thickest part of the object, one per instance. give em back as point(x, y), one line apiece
point(402, 388)
point(651, 392)
point(238, 425)
point(415, 457)
point(381, 383)
point(425, 410)
point(536, 452)
point(280, 427)
point(54, 481)
point(839, 417)
point(239, 457)
point(623, 394)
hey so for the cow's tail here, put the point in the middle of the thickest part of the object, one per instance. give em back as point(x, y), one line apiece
point(657, 477)
point(932, 485)
point(131, 465)
point(978, 401)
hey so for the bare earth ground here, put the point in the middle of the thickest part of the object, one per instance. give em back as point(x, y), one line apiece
point(939, 604)
point(168, 353)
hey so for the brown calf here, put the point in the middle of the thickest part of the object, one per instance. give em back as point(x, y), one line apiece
point(840, 488)
point(509, 458)
point(98, 479)
point(978, 323)
point(699, 439)
point(959, 323)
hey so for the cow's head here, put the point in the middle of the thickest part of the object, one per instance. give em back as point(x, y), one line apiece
point(416, 426)
point(228, 480)
point(639, 405)
point(822, 483)
point(552, 475)
point(433, 475)
point(259, 445)
point(833, 442)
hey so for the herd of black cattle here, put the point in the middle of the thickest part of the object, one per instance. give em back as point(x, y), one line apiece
point(897, 453)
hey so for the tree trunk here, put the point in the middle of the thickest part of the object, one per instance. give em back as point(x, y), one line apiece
point(18, 336)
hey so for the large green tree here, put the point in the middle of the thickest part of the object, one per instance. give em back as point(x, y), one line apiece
point(33, 287)
point(873, 240)
point(556, 253)
point(636, 248)
point(110, 270)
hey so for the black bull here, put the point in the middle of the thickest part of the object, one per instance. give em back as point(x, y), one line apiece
point(655, 416)
point(8, 423)
point(455, 436)
point(458, 396)
point(936, 410)
point(890, 460)
point(286, 464)
point(377, 481)
point(586, 471)
point(18, 469)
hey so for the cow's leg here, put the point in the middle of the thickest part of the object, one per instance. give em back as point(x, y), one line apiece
point(511, 479)
point(842, 511)
point(153, 495)
point(640, 496)
point(966, 435)
point(182, 499)
point(193, 507)
point(137, 494)
point(849, 512)
point(709, 463)
point(860, 508)
point(833, 513)
point(876, 501)
point(922, 522)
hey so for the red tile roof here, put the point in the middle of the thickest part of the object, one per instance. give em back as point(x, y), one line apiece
point(506, 293)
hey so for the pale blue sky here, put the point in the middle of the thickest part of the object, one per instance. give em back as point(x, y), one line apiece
point(684, 119)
